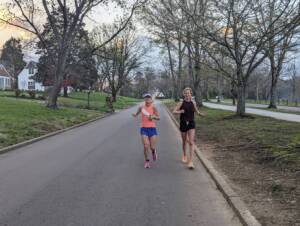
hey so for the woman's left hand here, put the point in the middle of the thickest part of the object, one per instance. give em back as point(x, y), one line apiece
point(201, 114)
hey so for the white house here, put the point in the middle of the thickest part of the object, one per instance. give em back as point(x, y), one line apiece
point(5, 79)
point(25, 81)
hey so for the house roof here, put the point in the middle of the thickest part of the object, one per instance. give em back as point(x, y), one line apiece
point(4, 72)
point(31, 64)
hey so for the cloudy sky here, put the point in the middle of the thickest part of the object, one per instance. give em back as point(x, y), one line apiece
point(97, 16)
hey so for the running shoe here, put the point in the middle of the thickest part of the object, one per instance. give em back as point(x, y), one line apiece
point(184, 159)
point(147, 165)
point(191, 165)
point(154, 155)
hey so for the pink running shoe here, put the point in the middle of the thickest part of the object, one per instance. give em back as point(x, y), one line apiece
point(154, 155)
point(147, 165)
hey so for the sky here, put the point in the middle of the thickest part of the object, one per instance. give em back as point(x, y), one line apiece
point(98, 16)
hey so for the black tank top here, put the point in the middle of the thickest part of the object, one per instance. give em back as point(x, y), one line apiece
point(189, 110)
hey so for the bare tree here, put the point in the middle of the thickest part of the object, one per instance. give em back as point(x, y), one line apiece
point(119, 57)
point(23, 14)
point(277, 50)
point(165, 21)
point(234, 27)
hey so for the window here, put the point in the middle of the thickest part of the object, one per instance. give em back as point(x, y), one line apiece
point(2, 83)
point(31, 70)
point(31, 85)
point(8, 83)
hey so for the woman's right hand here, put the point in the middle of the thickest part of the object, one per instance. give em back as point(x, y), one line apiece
point(181, 111)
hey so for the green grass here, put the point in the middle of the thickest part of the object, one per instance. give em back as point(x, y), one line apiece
point(272, 140)
point(23, 120)
point(6, 93)
point(97, 101)
point(79, 100)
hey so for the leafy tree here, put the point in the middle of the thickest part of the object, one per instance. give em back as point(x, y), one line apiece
point(12, 58)
point(80, 68)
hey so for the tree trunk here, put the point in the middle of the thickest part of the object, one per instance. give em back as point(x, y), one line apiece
point(58, 79)
point(175, 88)
point(219, 88)
point(65, 91)
point(233, 92)
point(197, 79)
point(257, 92)
point(198, 95)
point(272, 103)
point(180, 69)
point(53, 95)
point(274, 76)
point(114, 95)
point(88, 99)
point(241, 100)
point(16, 85)
point(206, 89)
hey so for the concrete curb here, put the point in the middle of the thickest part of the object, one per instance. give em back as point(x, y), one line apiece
point(34, 140)
point(238, 206)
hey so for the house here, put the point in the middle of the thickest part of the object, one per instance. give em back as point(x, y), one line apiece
point(5, 79)
point(25, 81)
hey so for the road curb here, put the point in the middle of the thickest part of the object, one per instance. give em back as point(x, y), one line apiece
point(34, 140)
point(238, 206)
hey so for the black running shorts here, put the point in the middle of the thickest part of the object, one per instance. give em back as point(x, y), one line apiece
point(186, 125)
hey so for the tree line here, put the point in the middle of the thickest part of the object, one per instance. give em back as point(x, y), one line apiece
point(228, 40)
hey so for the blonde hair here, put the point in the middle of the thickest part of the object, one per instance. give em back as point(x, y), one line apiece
point(187, 89)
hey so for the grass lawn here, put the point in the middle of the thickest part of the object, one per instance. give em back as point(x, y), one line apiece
point(97, 101)
point(23, 119)
point(273, 140)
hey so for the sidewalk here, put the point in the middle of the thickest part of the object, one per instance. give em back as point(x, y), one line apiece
point(276, 115)
point(297, 109)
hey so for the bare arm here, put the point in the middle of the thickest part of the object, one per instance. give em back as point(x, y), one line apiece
point(177, 109)
point(155, 115)
point(138, 112)
point(197, 110)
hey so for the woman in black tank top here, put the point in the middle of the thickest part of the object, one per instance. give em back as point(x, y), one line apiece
point(187, 109)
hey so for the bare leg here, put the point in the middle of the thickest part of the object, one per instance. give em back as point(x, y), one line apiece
point(191, 137)
point(153, 143)
point(184, 136)
point(184, 141)
point(146, 144)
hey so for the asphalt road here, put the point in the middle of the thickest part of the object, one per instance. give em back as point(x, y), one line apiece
point(94, 175)
point(266, 113)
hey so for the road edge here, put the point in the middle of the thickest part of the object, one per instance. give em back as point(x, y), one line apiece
point(34, 140)
point(233, 199)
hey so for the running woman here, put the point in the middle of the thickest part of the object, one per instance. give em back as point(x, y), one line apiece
point(148, 127)
point(187, 109)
